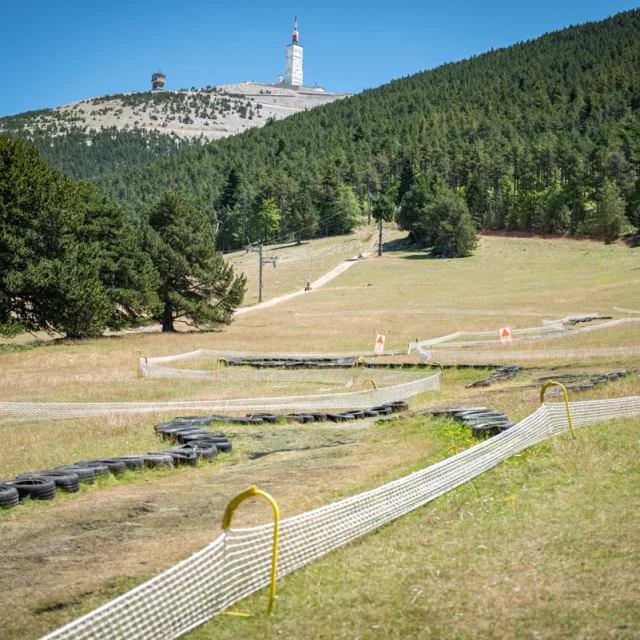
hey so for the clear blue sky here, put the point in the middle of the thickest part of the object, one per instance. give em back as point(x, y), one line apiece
point(53, 53)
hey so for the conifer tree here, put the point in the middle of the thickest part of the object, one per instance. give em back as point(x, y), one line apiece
point(196, 283)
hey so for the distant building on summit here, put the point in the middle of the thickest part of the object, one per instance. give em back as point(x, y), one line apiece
point(293, 71)
point(157, 81)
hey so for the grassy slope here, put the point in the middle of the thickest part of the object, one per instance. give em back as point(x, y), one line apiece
point(544, 546)
point(99, 543)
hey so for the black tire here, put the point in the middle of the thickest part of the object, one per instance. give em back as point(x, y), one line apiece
point(64, 480)
point(319, 417)
point(100, 469)
point(183, 458)
point(294, 417)
point(86, 474)
point(358, 415)
point(224, 447)
point(204, 450)
point(369, 413)
point(271, 418)
point(183, 431)
point(399, 405)
point(202, 435)
point(383, 410)
point(159, 428)
point(9, 496)
point(116, 467)
point(336, 417)
point(35, 487)
point(158, 460)
point(133, 463)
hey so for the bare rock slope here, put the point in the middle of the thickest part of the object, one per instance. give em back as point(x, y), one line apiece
point(212, 113)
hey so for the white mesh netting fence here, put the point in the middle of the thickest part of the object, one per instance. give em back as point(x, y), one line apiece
point(552, 330)
point(26, 411)
point(238, 562)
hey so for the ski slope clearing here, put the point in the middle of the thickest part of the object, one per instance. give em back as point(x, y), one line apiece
point(507, 544)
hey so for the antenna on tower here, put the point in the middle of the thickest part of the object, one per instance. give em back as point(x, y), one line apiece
point(294, 37)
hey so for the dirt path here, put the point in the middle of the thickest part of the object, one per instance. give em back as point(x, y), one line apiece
point(322, 280)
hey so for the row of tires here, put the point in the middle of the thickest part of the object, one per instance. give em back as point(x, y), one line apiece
point(484, 422)
point(43, 484)
point(339, 363)
point(501, 374)
point(603, 378)
point(190, 428)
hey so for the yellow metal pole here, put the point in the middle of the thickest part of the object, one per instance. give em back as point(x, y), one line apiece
point(359, 361)
point(137, 360)
point(372, 381)
point(551, 383)
point(434, 364)
point(252, 492)
point(133, 358)
point(218, 366)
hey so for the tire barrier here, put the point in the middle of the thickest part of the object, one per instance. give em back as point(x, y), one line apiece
point(26, 411)
point(482, 421)
point(501, 374)
point(343, 372)
point(584, 382)
point(190, 430)
point(239, 561)
point(42, 485)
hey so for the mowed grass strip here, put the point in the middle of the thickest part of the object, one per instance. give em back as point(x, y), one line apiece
point(546, 545)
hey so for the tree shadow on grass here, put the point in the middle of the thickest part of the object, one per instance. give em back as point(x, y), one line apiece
point(406, 245)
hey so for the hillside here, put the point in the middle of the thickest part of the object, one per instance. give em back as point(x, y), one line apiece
point(93, 136)
point(536, 136)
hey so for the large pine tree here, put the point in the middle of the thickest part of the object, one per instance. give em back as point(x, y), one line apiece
point(196, 284)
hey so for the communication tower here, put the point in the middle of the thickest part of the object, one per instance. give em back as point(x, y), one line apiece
point(293, 71)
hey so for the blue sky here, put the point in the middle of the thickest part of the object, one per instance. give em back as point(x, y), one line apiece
point(53, 53)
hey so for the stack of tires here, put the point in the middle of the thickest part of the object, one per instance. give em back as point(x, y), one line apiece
point(194, 442)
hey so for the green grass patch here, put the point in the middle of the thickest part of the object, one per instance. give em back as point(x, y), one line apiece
point(545, 545)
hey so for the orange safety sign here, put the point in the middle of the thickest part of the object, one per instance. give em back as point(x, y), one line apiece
point(379, 348)
point(505, 335)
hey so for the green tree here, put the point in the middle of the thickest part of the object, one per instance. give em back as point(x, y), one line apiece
point(69, 260)
point(266, 220)
point(196, 283)
point(342, 212)
point(438, 218)
point(610, 216)
point(384, 208)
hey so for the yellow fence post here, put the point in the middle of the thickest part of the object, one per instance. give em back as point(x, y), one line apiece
point(252, 492)
point(226, 364)
point(435, 363)
point(372, 381)
point(137, 359)
point(134, 361)
point(551, 383)
point(359, 361)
